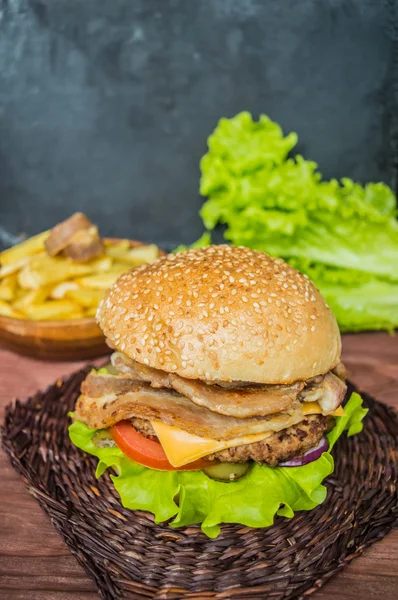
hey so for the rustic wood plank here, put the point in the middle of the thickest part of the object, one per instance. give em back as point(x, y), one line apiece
point(36, 565)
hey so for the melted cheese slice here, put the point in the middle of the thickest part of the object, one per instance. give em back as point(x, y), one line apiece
point(182, 447)
point(313, 408)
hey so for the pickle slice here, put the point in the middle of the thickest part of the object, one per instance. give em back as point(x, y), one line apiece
point(103, 439)
point(227, 471)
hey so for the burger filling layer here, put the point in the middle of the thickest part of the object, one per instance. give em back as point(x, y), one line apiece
point(226, 422)
point(275, 448)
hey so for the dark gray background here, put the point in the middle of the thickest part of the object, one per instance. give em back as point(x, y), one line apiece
point(105, 106)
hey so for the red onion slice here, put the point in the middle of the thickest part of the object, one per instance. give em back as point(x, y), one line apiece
point(309, 456)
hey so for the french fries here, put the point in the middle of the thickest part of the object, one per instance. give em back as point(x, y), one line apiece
point(30, 298)
point(61, 289)
point(8, 311)
point(12, 268)
point(8, 288)
point(117, 250)
point(103, 280)
point(23, 250)
point(53, 310)
point(46, 270)
point(35, 285)
point(101, 264)
point(140, 255)
point(86, 298)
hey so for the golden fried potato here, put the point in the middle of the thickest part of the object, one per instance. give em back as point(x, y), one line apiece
point(54, 309)
point(30, 297)
point(8, 311)
point(23, 250)
point(47, 270)
point(100, 264)
point(101, 281)
point(118, 249)
point(8, 288)
point(13, 267)
point(140, 255)
point(59, 291)
point(86, 297)
point(38, 286)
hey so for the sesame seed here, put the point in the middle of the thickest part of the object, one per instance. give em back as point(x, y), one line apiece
point(264, 299)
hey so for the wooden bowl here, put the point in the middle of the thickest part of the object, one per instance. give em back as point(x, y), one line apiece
point(76, 339)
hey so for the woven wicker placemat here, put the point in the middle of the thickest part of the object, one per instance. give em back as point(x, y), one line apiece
point(129, 556)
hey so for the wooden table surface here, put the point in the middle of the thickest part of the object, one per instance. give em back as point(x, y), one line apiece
point(36, 565)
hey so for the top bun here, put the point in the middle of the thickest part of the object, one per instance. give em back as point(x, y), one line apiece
point(222, 313)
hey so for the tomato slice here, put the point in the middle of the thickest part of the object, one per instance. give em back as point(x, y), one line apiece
point(147, 452)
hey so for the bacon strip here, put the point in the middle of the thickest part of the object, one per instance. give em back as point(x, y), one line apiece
point(100, 410)
point(329, 392)
point(241, 401)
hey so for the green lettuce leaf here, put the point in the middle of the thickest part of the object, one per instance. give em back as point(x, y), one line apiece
point(287, 211)
point(191, 497)
point(350, 422)
point(358, 300)
point(283, 206)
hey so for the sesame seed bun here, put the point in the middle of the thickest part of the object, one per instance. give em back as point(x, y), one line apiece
point(222, 313)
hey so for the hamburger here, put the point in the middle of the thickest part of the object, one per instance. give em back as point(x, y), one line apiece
point(225, 379)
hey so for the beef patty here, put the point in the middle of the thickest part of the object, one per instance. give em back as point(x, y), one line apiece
point(278, 447)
